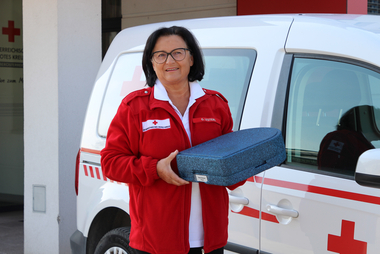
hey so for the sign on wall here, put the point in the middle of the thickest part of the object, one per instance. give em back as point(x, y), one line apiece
point(11, 50)
point(11, 101)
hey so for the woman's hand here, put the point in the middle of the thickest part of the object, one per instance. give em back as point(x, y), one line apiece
point(165, 172)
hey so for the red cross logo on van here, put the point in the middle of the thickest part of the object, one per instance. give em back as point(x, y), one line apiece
point(345, 243)
point(11, 31)
point(134, 84)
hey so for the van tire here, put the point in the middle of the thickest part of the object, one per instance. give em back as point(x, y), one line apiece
point(117, 238)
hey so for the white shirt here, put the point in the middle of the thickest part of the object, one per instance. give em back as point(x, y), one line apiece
point(196, 232)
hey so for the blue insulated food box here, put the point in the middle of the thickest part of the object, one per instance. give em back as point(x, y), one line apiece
point(232, 157)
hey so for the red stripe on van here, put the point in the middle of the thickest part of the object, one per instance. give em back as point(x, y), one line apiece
point(320, 190)
point(306, 188)
point(87, 150)
point(91, 172)
point(297, 186)
point(254, 213)
point(85, 170)
point(97, 173)
point(250, 212)
point(104, 176)
point(324, 191)
point(269, 217)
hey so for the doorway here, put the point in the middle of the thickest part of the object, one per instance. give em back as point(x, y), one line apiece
point(11, 106)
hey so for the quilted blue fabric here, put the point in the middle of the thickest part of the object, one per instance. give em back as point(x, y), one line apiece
point(232, 157)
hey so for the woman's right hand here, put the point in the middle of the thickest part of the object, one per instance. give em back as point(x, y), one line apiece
point(165, 172)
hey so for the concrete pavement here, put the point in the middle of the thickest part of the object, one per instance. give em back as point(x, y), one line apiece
point(12, 232)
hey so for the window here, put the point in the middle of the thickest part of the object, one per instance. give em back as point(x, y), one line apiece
point(126, 77)
point(111, 22)
point(227, 71)
point(333, 114)
point(374, 7)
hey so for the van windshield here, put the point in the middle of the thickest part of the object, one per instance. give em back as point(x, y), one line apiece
point(227, 71)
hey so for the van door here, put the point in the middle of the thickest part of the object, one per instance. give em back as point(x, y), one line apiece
point(332, 116)
point(229, 71)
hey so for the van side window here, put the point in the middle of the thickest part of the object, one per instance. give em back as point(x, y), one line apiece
point(333, 115)
point(228, 71)
point(127, 76)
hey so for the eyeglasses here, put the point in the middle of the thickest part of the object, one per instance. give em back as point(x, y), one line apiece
point(177, 54)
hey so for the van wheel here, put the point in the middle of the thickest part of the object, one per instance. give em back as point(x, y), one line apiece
point(115, 241)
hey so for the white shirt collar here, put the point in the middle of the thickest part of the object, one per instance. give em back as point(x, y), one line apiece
point(196, 92)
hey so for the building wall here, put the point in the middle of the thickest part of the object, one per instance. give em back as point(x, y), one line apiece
point(62, 55)
point(137, 12)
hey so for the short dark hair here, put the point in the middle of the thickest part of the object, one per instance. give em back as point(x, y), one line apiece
point(196, 71)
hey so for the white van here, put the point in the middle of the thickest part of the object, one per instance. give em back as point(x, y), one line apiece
point(314, 77)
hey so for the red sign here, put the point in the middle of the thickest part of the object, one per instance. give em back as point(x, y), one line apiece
point(249, 7)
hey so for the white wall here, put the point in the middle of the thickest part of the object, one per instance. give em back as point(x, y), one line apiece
point(62, 53)
point(137, 12)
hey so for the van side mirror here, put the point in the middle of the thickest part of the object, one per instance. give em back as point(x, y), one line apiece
point(368, 169)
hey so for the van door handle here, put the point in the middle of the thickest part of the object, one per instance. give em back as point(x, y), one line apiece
point(239, 200)
point(282, 211)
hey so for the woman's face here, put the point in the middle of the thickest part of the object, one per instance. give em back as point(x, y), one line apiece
point(172, 72)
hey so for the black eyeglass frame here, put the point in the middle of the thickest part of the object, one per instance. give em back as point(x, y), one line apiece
point(169, 53)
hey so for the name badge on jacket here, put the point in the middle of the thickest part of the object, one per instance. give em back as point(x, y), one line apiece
point(156, 124)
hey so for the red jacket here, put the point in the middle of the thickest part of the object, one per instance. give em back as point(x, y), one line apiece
point(340, 150)
point(159, 211)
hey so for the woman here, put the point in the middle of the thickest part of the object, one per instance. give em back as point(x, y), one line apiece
point(340, 150)
point(169, 214)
